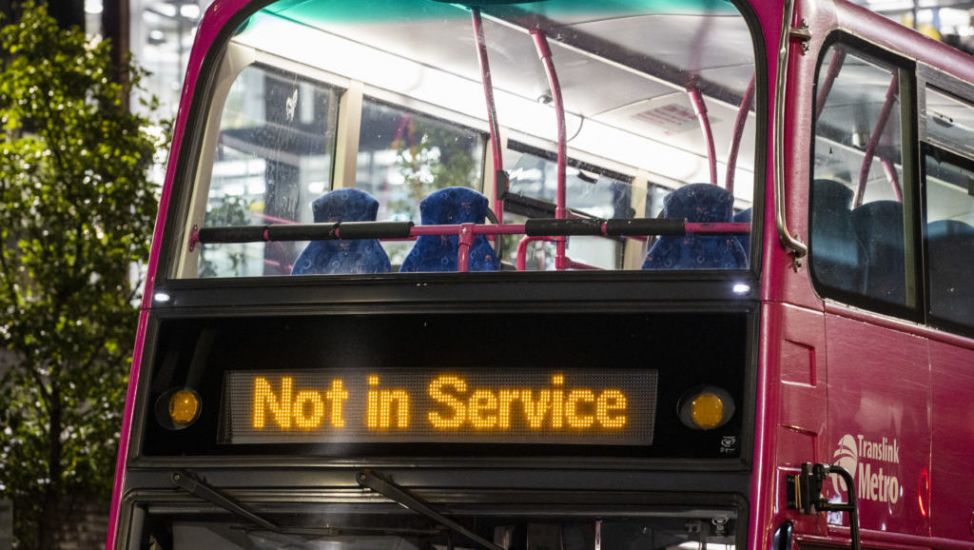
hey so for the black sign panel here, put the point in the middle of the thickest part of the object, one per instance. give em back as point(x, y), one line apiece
point(652, 359)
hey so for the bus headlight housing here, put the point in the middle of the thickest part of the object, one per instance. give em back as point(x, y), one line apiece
point(706, 408)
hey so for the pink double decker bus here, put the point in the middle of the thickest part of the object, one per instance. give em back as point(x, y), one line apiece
point(662, 274)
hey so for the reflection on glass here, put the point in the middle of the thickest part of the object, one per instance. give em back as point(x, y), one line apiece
point(404, 156)
point(273, 157)
point(949, 121)
point(858, 245)
point(588, 192)
point(950, 236)
point(412, 120)
point(353, 529)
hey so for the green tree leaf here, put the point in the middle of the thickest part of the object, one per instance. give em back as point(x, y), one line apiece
point(76, 212)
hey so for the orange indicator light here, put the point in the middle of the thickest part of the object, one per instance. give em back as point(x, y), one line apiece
point(184, 407)
point(707, 410)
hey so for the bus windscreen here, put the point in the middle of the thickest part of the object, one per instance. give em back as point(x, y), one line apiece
point(375, 112)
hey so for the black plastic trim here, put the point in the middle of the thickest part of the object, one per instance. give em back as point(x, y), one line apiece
point(645, 226)
point(545, 154)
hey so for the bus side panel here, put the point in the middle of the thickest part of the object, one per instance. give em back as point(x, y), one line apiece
point(803, 403)
point(879, 422)
point(952, 477)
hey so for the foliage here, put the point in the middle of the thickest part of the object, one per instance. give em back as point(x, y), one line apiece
point(433, 157)
point(76, 214)
point(232, 210)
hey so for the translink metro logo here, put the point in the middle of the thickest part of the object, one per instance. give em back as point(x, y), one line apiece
point(873, 464)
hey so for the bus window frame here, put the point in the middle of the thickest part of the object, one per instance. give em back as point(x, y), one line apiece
point(906, 70)
point(178, 226)
point(965, 163)
point(943, 83)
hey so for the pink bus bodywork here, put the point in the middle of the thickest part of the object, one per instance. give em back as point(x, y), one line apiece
point(833, 380)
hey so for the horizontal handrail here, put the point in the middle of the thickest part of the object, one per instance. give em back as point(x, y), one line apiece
point(548, 227)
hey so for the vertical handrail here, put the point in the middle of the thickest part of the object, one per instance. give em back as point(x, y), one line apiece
point(561, 212)
point(739, 123)
point(791, 243)
point(700, 108)
point(892, 91)
point(892, 177)
point(835, 65)
point(464, 242)
point(495, 143)
point(521, 263)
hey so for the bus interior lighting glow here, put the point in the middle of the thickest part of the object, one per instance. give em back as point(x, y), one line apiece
point(161, 297)
point(384, 72)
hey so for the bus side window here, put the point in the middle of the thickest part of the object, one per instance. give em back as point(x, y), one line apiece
point(859, 251)
point(404, 156)
point(272, 157)
point(949, 233)
point(589, 190)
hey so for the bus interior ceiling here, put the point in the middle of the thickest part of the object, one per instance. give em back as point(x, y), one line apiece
point(624, 74)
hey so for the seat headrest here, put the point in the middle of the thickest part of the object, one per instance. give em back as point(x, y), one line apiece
point(948, 228)
point(453, 205)
point(345, 205)
point(880, 221)
point(832, 193)
point(699, 202)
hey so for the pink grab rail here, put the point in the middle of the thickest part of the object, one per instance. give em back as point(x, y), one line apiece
point(465, 232)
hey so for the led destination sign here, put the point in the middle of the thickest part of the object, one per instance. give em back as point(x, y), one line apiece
point(523, 406)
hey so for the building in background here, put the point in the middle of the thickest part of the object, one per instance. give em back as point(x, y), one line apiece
point(161, 34)
point(949, 21)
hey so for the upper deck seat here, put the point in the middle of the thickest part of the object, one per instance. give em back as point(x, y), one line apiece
point(836, 252)
point(698, 202)
point(950, 245)
point(879, 226)
point(744, 216)
point(351, 256)
point(452, 205)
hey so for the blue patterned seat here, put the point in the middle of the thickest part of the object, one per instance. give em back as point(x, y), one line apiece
point(453, 205)
point(351, 256)
point(950, 245)
point(703, 203)
point(836, 255)
point(879, 226)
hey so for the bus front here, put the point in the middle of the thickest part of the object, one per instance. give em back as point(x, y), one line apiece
point(441, 275)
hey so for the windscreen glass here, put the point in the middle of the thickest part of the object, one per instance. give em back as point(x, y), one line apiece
point(374, 112)
point(352, 528)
